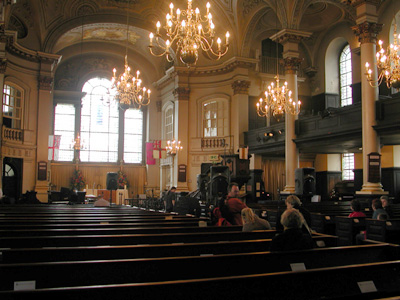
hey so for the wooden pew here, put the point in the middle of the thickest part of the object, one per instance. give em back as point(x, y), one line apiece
point(112, 230)
point(325, 283)
point(347, 229)
point(19, 255)
point(383, 231)
point(129, 239)
point(374, 258)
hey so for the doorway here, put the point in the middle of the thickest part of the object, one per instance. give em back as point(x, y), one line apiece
point(12, 177)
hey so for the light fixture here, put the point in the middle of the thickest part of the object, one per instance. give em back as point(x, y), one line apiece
point(189, 31)
point(387, 63)
point(173, 147)
point(126, 88)
point(277, 99)
point(78, 143)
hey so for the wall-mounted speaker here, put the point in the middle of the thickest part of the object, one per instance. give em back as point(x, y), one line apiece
point(112, 181)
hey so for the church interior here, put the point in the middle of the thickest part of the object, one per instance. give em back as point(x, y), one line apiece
point(124, 99)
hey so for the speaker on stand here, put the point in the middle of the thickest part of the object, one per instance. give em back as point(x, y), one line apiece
point(305, 181)
point(112, 183)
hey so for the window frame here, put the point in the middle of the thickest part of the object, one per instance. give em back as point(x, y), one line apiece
point(345, 101)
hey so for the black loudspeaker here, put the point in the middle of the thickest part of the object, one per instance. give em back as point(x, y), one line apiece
point(304, 181)
point(112, 181)
point(219, 181)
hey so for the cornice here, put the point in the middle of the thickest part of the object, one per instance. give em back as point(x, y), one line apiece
point(227, 67)
point(10, 37)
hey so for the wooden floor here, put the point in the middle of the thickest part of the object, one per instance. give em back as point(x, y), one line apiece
point(120, 252)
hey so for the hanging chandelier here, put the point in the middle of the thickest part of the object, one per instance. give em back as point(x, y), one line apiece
point(173, 147)
point(387, 63)
point(277, 100)
point(78, 144)
point(188, 35)
point(126, 88)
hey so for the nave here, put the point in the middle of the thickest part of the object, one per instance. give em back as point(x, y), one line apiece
point(83, 252)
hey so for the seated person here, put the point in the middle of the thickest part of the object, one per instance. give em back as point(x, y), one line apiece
point(101, 202)
point(252, 222)
point(377, 208)
point(293, 201)
point(292, 238)
point(356, 208)
point(386, 206)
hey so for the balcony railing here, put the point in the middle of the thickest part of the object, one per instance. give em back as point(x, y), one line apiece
point(12, 135)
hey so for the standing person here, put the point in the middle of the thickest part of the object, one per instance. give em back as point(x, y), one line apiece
point(169, 199)
point(252, 222)
point(234, 204)
point(386, 206)
point(356, 208)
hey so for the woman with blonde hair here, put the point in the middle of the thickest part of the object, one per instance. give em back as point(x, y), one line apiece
point(252, 222)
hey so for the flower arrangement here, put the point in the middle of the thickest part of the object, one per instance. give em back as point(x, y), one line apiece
point(77, 180)
point(122, 180)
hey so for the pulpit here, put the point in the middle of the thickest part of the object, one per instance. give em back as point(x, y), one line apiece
point(239, 168)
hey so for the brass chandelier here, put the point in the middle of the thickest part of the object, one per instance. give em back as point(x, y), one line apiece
point(277, 100)
point(189, 32)
point(173, 147)
point(387, 63)
point(126, 88)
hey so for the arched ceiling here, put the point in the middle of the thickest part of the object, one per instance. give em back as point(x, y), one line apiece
point(55, 25)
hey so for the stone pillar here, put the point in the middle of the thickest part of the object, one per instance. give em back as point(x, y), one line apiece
point(367, 30)
point(181, 133)
point(290, 40)
point(239, 112)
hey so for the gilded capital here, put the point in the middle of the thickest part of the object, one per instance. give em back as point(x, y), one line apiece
point(292, 64)
point(181, 93)
point(45, 83)
point(240, 87)
point(367, 32)
point(3, 65)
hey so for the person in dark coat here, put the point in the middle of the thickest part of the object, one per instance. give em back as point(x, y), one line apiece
point(169, 199)
point(292, 238)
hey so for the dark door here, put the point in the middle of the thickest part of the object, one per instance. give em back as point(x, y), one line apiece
point(12, 177)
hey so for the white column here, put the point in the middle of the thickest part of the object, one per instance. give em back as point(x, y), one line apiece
point(367, 31)
point(239, 112)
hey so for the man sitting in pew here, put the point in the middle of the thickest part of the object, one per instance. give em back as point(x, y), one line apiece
point(292, 238)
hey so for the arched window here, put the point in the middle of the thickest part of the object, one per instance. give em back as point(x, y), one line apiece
point(99, 123)
point(169, 123)
point(101, 130)
point(12, 107)
point(64, 126)
point(345, 77)
point(348, 166)
point(215, 118)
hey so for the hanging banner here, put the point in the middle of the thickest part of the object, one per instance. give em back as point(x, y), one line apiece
point(149, 154)
point(54, 146)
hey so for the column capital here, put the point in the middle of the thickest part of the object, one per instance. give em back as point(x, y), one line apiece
point(240, 87)
point(181, 93)
point(292, 64)
point(3, 65)
point(45, 82)
point(367, 32)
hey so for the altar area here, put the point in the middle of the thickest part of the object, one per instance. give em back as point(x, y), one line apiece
point(116, 196)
